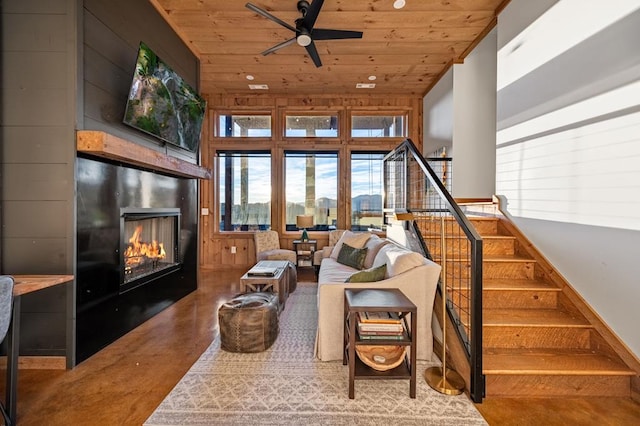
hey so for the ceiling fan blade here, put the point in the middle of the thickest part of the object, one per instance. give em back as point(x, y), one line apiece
point(312, 14)
point(313, 53)
point(324, 34)
point(279, 46)
point(267, 15)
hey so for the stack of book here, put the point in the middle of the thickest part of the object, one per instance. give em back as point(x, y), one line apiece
point(380, 325)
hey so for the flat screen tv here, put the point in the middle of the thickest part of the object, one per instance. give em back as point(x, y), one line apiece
point(162, 104)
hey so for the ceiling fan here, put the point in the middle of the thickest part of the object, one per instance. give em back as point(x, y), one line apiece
point(305, 33)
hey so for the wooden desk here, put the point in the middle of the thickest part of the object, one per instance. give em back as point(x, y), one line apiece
point(23, 284)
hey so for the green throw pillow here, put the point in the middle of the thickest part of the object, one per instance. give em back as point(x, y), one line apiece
point(351, 256)
point(368, 275)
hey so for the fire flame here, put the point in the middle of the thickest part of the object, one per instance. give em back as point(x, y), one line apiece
point(138, 251)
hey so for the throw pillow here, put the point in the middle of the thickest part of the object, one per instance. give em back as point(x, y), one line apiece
point(354, 239)
point(398, 259)
point(374, 244)
point(368, 275)
point(352, 256)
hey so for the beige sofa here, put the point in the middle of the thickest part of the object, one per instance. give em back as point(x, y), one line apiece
point(416, 276)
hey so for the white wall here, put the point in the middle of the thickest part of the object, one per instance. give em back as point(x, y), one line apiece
point(459, 114)
point(568, 148)
point(438, 116)
point(474, 130)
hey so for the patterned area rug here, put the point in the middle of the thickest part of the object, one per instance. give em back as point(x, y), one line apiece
point(286, 385)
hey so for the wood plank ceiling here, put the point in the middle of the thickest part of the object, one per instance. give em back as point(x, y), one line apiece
point(407, 49)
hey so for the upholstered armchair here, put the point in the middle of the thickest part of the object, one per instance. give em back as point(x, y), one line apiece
point(268, 247)
point(334, 236)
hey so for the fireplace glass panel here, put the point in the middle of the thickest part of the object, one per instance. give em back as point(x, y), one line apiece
point(149, 246)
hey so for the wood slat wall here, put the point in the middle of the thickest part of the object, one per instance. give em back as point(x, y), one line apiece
point(215, 246)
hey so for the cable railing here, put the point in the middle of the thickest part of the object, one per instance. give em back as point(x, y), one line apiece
point(448, 238)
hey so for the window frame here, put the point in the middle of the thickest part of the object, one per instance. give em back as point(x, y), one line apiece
point(314, 113)
point(349, 190)
point(220, 196)
point(260, 113)
point(302, 152)
point(378, 113)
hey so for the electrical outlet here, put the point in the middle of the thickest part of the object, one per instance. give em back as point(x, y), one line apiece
point(233, 249)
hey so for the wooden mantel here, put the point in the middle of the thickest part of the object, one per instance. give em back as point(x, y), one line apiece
point(114, 148)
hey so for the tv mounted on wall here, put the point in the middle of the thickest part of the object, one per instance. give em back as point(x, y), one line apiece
point(162, 104)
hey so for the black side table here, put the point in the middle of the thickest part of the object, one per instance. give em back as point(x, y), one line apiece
point(379, 300)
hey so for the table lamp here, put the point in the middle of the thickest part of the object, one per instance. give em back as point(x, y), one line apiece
point(303, 222)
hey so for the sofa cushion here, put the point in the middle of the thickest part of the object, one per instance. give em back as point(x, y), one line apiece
point(397, 259)
point(368, 275)
point(333, 272)
point(352, 256)
point(373, 244)
point(354, 239)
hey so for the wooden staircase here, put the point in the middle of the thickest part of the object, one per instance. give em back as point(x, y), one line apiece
point(540, 339)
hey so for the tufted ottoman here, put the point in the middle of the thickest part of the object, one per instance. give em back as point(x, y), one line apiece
point(249, 322)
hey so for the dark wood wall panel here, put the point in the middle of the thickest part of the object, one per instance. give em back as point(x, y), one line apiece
point(35, 256)
point(24, 145)
point(38, 115)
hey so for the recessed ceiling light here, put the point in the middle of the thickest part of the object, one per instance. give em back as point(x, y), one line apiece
point(372, 77)
point(365, 85)
point(258, 87)
point(249, 77)
point(398, 4)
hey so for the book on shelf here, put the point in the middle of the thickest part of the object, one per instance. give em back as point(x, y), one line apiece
point(397, 328)
point(380, 333)
point(304, 252)
point(379, 337)
point(379, 317)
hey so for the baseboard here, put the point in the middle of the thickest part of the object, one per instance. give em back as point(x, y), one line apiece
point(38, 363)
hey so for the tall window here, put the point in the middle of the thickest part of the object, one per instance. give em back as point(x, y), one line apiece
point(311, 188)
point(245, 190)
point(366, 190)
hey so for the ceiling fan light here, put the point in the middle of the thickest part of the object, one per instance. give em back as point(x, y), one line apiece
point(304, 40)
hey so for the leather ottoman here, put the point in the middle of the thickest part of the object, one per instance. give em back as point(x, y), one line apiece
point(249, 322)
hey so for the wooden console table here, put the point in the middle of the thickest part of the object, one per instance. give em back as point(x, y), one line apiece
point(23, 284)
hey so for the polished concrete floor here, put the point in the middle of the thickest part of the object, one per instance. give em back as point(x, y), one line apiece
point(125, 382)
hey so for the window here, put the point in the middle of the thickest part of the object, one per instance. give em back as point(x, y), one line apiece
point(245, 190)
point(378, 126)
point(311, 188)
point(366, 190)
point(244, 126)
point(311, 126)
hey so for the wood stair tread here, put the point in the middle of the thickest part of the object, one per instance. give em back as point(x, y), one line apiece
point(531, 318)
point(517, 284)
point(496, 258)
point(506, 258)
point(498, 237)
point(432, 234)
point(580, 362)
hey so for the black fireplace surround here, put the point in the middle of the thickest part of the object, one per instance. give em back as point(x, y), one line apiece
point(136, 248)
